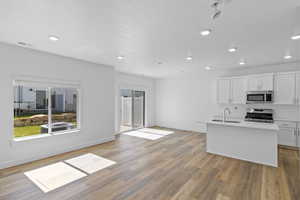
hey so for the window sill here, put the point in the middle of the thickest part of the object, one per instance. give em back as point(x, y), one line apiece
point(20, 139)
point(65, 132)
point(34, 137)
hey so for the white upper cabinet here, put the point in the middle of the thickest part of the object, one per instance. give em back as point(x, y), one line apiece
point(261, 82)
point(285, 88)
point(238, 90)
point(252, 83)
point(223, 91)
point(232, 90)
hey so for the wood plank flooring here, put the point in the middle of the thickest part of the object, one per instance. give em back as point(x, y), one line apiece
point(175, 167)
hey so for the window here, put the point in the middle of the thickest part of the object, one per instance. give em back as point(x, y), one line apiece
point(41, 108)
point(63, 111)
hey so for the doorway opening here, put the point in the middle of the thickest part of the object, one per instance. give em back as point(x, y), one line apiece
point(132, 109)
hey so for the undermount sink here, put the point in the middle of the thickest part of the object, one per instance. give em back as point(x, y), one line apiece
point(226, 121)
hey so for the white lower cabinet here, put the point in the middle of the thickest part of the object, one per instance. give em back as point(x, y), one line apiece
point(287, 134)
point(298, 138)
point(287, 137)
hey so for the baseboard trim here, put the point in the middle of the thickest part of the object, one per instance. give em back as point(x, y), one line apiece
point(13, 163)
point(199, 127)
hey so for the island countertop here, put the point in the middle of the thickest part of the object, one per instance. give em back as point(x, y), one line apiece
point(245, 124)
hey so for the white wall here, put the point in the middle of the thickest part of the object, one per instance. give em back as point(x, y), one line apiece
point(97, 101)
point(187, 102)
point(126, 81)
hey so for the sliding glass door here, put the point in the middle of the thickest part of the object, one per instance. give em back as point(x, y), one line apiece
point(138, 109)
point(132, 109)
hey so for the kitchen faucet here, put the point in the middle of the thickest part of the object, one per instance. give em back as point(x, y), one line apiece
point(224, 113)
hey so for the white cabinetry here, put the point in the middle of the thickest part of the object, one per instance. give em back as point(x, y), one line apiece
point(223, 90)
point(285, 88)
point(297, 87)
point(287, 134)
point(252, 83)
point(298, 140)
point(232, 90)
point(261, 82)
point(238, 90)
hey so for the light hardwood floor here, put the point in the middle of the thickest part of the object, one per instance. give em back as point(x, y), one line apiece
point(172, 168)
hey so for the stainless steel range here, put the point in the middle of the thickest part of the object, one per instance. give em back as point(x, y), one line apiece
point(259, 115)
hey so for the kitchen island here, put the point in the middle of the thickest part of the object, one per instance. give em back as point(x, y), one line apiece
point(249, 141)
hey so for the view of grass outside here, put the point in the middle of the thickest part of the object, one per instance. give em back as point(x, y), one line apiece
point(31, 110)
point(30, 130)
point(26, 131)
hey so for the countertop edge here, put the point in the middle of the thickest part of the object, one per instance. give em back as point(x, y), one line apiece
point(243, 125)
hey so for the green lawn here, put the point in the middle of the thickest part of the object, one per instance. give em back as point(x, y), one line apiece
point(29, 130)
point(26, 131)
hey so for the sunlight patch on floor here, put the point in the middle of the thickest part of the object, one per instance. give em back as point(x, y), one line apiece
point(156, 131)
point(53, 176)
point(149, 133)
point(56, 175)
point(90, 163)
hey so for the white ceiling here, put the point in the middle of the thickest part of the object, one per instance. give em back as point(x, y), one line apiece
point(150, 31)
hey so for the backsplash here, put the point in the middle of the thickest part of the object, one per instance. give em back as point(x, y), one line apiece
point(281, 112)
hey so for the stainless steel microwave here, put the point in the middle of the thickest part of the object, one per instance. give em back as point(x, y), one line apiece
point(258, 97)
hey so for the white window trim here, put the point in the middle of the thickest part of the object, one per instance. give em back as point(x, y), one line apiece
point(49, 84)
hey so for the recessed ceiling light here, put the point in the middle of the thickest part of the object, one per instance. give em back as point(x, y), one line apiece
point(287, 57)
point(207, 68)
point(189, 58)
point(206, 32)
point(233, 49)
point(120, 57)
point(53, 38)
point(295, 37)
point(242, 62)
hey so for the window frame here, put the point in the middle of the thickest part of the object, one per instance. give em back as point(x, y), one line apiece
point(48, 85)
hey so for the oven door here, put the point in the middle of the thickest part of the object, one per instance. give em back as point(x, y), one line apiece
point(259, 117)
point(256, 98)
